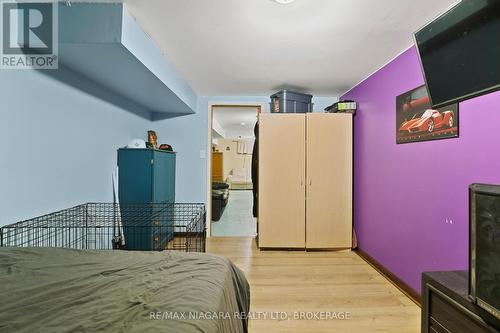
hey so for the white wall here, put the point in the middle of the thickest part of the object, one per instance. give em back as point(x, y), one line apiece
point(189, 137)
point(231, 158)
point(57, 145)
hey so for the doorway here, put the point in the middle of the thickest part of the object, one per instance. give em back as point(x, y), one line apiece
point(231, 145)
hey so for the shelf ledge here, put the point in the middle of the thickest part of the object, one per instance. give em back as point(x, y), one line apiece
point(103, 43)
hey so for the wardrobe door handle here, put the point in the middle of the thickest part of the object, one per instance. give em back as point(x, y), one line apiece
point(310, 182)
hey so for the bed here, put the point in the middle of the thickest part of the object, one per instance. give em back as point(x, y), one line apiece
point(68, 290)
point(240, 179)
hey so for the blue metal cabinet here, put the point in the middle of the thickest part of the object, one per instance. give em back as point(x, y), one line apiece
point(146, 176)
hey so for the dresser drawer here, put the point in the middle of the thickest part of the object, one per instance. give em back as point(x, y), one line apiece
point(448, 316)
point(435, 327)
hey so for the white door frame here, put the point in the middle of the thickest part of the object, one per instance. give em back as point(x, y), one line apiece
point(209, 152)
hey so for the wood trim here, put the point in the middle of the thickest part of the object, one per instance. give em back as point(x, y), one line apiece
point(289, 249)
point(304, 249)
point(397, 282)
point(330, 249)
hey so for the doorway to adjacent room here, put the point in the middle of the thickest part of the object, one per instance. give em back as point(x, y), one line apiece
point(231, 195)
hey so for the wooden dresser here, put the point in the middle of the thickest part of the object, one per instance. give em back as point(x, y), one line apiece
point(446, 307)
point(217, 166)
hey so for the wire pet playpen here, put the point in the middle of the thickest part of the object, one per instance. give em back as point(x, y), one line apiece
point(106, 226)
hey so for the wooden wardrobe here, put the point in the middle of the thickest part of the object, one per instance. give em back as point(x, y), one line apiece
point(305, 181)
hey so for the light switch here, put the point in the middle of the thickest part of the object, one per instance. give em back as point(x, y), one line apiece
point(203, 153)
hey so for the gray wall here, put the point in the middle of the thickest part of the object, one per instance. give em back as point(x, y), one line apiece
point(57, 145)
point(188, 135)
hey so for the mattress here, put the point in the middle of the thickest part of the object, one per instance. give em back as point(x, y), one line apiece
point(63, 290)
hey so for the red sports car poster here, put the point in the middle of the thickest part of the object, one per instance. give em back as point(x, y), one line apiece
point(417, 121)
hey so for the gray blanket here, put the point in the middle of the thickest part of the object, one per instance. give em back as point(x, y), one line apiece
point(61, 290)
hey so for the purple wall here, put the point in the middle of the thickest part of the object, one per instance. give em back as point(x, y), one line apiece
point(411, 200)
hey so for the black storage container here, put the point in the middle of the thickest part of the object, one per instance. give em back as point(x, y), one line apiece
point(291, 102)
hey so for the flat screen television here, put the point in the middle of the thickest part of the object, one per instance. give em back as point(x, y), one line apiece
point(460, 52)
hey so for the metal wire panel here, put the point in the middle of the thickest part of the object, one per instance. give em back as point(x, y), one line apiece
point(179, 226)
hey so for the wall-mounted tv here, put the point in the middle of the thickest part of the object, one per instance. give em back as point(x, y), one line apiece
point(460, 52)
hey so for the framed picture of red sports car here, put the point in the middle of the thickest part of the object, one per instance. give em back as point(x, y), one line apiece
point(417, 121)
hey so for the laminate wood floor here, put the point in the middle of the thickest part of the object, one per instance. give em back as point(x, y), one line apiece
point(288, 284)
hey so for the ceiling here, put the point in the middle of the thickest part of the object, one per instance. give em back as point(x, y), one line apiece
point(232, 122)
point(256, 47)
